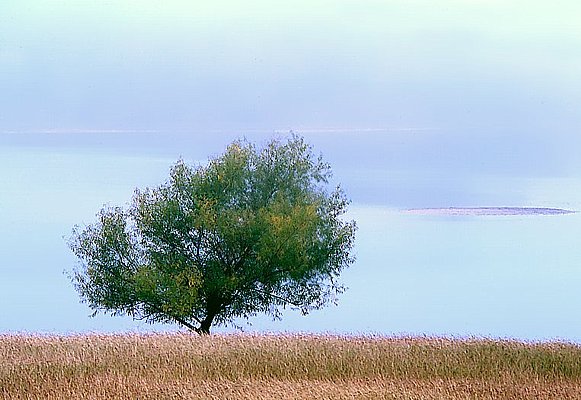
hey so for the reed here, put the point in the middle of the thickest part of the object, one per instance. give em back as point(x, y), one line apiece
point(176, 366)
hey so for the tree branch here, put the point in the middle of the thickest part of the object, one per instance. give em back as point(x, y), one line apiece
point(174, 317)
point(155, 307)
point(275, 296)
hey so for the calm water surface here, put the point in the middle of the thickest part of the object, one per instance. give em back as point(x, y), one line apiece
point(499, 276)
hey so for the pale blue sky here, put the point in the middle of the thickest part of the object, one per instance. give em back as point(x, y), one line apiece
point(415, 103)
point(479, 66)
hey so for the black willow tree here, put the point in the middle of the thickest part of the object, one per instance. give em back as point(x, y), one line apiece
point(253, 231)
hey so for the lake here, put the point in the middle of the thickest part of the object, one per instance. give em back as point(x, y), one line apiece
point(515, 276)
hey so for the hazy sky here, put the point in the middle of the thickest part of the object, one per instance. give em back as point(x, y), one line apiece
point(498, 80)
point(473, 66)
point(416, 103)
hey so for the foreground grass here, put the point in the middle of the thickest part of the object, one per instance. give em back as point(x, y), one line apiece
point(182, 366)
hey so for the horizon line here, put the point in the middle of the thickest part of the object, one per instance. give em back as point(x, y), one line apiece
point(201, 130)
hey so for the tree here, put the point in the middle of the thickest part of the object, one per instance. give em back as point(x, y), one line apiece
point(253, 231)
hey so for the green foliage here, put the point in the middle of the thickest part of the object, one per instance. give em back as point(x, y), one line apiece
point(253, 231)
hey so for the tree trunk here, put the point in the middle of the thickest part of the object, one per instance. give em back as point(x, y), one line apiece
point(212, 309)
point(204, 328)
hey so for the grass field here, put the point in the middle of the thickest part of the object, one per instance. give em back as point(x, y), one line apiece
point(183, 366)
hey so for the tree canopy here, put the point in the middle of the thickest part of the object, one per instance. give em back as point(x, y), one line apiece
point(253, 231)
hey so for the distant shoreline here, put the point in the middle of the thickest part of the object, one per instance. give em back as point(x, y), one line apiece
point(460, 211)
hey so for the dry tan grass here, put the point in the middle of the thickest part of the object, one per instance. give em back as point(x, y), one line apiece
point(183, 366)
